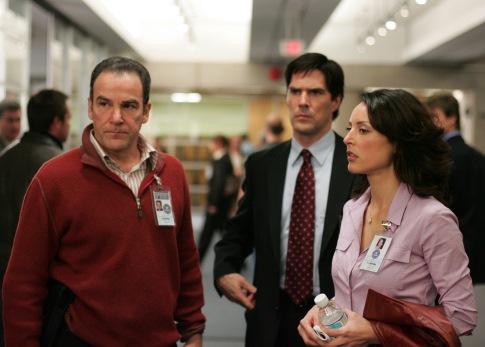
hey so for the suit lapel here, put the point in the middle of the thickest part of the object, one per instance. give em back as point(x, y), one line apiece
point(276, 183)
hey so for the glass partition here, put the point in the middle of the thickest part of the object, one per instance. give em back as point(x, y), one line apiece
point(14, 44)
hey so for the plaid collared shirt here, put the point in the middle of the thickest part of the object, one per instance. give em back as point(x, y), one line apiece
point(135, 176)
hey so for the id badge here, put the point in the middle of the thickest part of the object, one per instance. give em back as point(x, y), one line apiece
point(162, 206)
point(376, 253)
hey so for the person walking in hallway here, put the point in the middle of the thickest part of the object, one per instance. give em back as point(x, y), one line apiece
point(309, 169)
point(467, 188)
point(273, 131)
point(394, 145)
point(467, 191)
point(219, 200)
point(10, 118)
point(89, 227)
point(48, 114)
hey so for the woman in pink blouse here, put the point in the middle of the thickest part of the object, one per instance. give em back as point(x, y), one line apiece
point(394, 144)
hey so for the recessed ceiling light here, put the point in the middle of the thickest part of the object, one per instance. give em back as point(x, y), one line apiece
point(186, 97)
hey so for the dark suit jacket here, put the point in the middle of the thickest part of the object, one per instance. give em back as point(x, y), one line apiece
point(257, 225)
point(221, 170)
point(17, 168)
point(467, 189)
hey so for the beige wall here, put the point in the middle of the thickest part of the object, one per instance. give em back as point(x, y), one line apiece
point(259, 108)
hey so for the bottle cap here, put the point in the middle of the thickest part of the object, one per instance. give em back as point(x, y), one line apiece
point(321, 300)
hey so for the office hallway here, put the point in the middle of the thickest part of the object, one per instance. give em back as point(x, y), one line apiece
point(225, 320)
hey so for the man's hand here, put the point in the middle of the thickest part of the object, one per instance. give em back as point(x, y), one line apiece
point(237, 289)
point(194, 341)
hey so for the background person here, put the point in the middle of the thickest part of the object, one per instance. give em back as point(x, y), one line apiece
point(10, 117)
point(394, 144)
point(237, 161)
point(273, 131)
point(87, 221)
point(315, 88)
point(48, 114)
point(219, 201)
point(467, 190)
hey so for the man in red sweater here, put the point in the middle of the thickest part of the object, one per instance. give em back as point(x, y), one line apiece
point(89, 221)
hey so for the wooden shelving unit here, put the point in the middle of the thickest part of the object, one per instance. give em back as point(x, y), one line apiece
point(195, 157)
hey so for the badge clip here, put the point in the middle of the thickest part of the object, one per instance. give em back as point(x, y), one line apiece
point(386, 224)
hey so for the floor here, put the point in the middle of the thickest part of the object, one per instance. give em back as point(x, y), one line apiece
point(225, 325)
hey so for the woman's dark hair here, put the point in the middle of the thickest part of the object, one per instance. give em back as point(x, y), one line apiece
point(334, 75)
point(421, 155)
point(120, 65)
point(381, 242)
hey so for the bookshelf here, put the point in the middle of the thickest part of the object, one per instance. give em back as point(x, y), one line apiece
point(195, 157)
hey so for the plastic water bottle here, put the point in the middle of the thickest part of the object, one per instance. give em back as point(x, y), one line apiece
point(330, 315)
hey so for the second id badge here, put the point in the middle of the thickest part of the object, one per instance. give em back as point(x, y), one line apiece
point(162, 206)
point(376, 253)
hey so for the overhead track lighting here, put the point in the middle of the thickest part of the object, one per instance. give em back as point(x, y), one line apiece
point(391, 24)
point(370, 40)
point(382, 31)
point(400, 13)
point(404, 11)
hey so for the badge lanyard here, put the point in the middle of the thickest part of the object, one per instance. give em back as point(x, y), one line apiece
point(162, 204)
point(377, 251)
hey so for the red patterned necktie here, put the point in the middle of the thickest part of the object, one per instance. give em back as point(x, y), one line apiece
point(299, 259)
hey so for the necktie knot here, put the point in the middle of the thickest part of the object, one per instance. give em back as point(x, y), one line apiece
point(307, 156)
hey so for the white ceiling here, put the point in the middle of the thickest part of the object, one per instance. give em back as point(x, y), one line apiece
point(219, 29)
point(239, 31)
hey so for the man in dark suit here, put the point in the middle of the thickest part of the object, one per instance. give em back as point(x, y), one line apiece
point(315, 88)
point(467, 189)
point(219, 199)
point(49, 114)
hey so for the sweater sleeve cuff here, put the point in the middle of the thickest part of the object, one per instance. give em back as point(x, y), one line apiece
point(192, 331)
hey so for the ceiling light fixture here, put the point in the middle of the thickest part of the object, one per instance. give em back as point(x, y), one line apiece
point(391, 24)
point(184, 21)
point(186, 97)
point(404, 12)
point(395, 17)
point(184, 28)
point(370, 40)
point(180, 19)
point(382, 31)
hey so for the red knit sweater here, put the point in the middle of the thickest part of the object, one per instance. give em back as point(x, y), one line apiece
point(136, 284)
